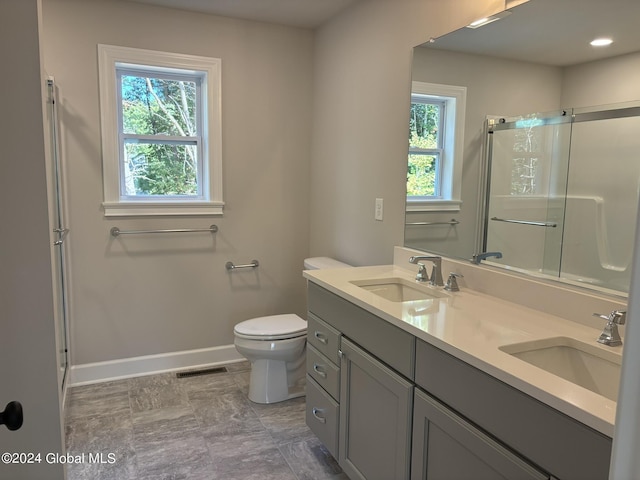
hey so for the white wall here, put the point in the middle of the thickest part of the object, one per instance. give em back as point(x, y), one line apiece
point(360, 117)
point(144, 295)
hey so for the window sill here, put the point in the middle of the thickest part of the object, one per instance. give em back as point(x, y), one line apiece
point(152, 209)
point(434, 206)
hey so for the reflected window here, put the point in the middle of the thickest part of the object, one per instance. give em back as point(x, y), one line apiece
point(424, 175)
point(434, 169)
point(526, 158)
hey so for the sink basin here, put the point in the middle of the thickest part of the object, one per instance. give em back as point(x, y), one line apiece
point(586, 365)
point(399, 289)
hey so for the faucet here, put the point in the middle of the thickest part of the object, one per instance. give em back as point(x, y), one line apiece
point(436, 274)
point(610, 335)
point(478, 257)
point(452, 282)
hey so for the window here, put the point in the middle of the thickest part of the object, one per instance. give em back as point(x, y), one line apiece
point(424, 179)
point(436, 133)
point(161, 133)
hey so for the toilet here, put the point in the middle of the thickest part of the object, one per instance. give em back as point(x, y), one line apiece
point(275, 346)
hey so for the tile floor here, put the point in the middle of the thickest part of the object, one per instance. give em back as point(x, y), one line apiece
point(162, 427)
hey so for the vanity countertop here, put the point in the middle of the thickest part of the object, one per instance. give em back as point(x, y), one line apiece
point(472, 326)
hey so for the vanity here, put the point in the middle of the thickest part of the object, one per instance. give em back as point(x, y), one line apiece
point(407, 380)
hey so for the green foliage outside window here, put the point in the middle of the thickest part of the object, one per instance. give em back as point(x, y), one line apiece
point(162, 108)
point(423, 134)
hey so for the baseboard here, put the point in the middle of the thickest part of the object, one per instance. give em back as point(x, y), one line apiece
point(151, 364)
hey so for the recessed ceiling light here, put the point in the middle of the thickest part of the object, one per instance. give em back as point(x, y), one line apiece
point(487, 20)
point(601, 42)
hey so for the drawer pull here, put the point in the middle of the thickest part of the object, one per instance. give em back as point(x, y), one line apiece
point(316, 411)
point(322, 338)
point(318, 369)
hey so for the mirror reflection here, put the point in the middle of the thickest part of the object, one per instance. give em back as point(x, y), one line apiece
point(561, 186)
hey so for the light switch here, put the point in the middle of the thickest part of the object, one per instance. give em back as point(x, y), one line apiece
point(379, 209)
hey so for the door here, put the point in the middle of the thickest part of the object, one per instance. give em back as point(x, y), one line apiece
point(446, 447)
point(60, 232)
point(28, 364)
point(375, 417)
point(528, 161)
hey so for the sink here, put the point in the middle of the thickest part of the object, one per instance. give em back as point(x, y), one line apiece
point(399, 289)
point(581, 363)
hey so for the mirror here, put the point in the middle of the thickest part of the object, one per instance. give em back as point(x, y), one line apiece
point(538, 59)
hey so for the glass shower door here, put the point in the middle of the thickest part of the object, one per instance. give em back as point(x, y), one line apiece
point(528, 164)
point(60, 232)
point(602, 196)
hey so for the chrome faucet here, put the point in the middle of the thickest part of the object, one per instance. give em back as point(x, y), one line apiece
point(452, 282)
point(478, 257)
point(610, 335)
point(436, 274)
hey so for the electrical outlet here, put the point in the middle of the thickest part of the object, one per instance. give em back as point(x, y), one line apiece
point(379, 209)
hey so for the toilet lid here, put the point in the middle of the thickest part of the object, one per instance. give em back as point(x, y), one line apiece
point(273, 327)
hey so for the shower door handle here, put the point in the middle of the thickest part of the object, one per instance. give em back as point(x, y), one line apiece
point(62, 233)
point(526, 222)
point(12, 416)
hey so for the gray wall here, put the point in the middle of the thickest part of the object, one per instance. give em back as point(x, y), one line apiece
point(612, 80)
point(331, 107)
point(28, 366)
point(145, 295)
point(361, 104)
point(495, 86)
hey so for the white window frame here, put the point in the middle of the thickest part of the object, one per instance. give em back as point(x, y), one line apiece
point(209, 200)
point(450, 188)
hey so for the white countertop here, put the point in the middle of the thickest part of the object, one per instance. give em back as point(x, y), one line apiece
point(472, 326)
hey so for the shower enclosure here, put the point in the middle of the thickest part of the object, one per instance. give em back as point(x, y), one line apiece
point(60, 230)
point(563, 192)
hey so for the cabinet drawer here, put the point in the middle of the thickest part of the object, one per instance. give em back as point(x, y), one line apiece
point(392, 345)
point(326, 373)
point(322, 416)
point(554, 441)
point(323, 337)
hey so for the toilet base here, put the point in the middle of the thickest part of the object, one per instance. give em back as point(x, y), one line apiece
point(271, 383)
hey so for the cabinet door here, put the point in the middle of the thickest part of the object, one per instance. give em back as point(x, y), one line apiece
point(446, 447)
point(375, 417)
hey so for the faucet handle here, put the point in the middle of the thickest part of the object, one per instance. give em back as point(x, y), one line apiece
point(422, 275)
point(452, 282)
point(618, 317)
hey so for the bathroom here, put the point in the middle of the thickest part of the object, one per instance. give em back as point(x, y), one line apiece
point(290, 190)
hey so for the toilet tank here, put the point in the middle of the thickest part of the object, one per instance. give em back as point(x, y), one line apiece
point(318, 263)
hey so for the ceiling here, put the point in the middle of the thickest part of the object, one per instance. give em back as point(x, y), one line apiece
point(553, 32)
point(298, 13)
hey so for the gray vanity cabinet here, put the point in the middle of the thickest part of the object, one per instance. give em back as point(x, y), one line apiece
point(552, 441)
point(389, 406)
point(323, 382)
point(359, 389)
point(446, 446)
point(375, 417)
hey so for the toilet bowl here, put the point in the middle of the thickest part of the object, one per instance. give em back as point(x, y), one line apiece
point(275, 346)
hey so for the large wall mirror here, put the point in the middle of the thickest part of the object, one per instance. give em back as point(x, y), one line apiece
point(549, 164)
